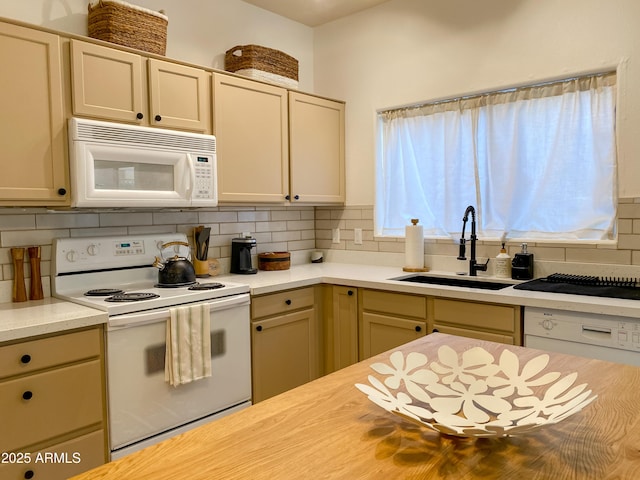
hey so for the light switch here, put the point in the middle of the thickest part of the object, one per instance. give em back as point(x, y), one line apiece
point(357, 236)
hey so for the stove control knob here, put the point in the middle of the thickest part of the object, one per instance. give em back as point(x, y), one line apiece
point(72, 256)
point(93, 249)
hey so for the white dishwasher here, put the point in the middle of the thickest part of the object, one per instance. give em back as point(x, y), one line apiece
point(604, 337)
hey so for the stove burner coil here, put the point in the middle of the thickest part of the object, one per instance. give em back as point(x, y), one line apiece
point(103, 292)
point(131, 297)
point(206, 286)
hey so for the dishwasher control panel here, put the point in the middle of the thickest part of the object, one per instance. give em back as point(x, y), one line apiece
point(586, 328)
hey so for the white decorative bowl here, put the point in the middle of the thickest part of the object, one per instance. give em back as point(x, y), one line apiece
point(472, 395)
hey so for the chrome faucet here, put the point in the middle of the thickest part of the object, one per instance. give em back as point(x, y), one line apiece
point(473, 264)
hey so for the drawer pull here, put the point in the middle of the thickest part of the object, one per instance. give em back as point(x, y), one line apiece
point(435, 330)
point(25, 358)
point(28, 395)
point(29, 474)
point(418, 328)
point(287, 301)
point(259, 328)
point(350, 292)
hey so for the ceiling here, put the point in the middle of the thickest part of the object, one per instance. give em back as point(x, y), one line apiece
point(314, 12)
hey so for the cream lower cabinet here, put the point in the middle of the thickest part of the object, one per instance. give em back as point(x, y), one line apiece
point(316, 139)
point(285, 341)
point(52, 401)
point(484, 321)
point(388, 320)
point(341, 328)
point(250, 121)
point(120, 86)
point(365, 322)
point(34, 167)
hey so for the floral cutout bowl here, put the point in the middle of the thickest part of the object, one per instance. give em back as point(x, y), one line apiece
point(472, 395)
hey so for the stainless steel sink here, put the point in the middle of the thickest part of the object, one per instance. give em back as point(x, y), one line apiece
point(455, 282)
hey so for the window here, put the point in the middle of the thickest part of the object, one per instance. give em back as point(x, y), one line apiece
point(537, 163)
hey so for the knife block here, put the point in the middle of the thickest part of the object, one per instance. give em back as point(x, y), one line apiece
point(35, 286)
point(19, 291)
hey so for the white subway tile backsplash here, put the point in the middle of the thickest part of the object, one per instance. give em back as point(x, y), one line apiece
point(178, 218)
point(17, 222)
point(124, 219)
point(218, 217)
point(26, 238)
point(284, 228)
point(67, 220)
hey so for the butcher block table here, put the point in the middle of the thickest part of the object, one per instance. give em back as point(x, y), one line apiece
point(328, 429)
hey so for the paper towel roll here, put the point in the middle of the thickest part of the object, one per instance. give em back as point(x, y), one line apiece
point(414, 246)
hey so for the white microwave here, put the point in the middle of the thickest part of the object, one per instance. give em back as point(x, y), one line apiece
point(117, 165)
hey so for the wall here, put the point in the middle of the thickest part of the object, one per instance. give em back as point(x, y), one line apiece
point(199, 31)
point(407, 51)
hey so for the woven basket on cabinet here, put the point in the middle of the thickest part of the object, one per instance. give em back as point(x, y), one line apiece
point(262, 63)
point(129, 25)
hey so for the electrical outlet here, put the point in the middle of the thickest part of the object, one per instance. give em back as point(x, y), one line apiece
point(336, 236)
point(357, 236)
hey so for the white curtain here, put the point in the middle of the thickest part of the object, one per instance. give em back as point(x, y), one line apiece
point(536, 162)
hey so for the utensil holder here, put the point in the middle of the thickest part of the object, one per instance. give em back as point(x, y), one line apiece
point(19, 291)
point(35, 286)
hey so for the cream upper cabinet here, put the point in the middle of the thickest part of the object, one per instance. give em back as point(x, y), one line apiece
point(316, 136)
point(32, 133)
point(117, 85)
point(250, 121)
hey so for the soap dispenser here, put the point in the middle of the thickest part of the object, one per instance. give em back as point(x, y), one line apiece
point(502, 264)
point(522, 265)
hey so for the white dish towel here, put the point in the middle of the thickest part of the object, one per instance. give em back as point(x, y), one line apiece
point(188, 353)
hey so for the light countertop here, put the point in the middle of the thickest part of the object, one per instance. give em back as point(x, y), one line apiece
point(381, 277)
point(40, 317)
point(50, 315)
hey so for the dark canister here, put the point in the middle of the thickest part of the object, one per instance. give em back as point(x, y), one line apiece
point(522, 265)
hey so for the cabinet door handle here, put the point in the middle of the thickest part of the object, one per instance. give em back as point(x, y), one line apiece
point(158, 118)
point(418, 328)
point(259, 328)
point(139, 116)
point(28, 395)
point(29, 474)
point(296, 197)
point(287, 197)
point(26, 358)
point(287, 301)
point(350, 292)
point(62, 191)
point(435, 330)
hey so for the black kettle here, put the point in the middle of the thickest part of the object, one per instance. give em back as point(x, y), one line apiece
point(176, 271)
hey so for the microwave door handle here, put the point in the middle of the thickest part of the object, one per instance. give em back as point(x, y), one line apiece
point(192, 177)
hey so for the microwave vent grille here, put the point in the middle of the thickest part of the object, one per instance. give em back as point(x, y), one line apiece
point(146, 137)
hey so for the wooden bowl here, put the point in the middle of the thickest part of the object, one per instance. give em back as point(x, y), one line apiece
point(274, 261)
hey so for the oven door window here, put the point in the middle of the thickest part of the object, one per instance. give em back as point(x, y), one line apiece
point(155, 354)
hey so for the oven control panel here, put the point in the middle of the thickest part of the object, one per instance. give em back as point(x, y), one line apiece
point(133, 247)
point(71, 255)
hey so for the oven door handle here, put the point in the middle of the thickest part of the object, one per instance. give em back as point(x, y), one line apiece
point(154, 316)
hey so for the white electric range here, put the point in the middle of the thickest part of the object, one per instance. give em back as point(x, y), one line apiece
point(115, 274)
